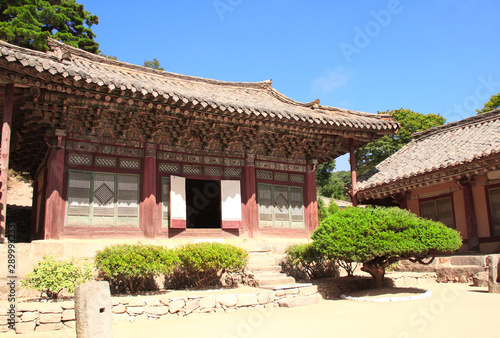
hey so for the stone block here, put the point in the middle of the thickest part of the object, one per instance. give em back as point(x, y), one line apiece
point(49, 327)
point(135, 302)
point(191, 305)
point(153, 302)
point(228, 300)
point(247, 299)
point(71, 324)
point(50, 308)
point(176, 305)
point(31, 307)
point(47, 318)
point(298, 301)
point(135, 310)
point(4, 328)
point(25, 327)
point(120, 308)
point(67, 305)
point(68, 315)
point(93, 310)
point(120, 318)
point(265, 297)
point(3, 320)
point(157, 310)
point(467, 260)
point(29, 316)
point(208, 302)
point(308, 290)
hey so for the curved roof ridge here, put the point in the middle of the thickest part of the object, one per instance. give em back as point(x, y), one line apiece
point(475, 119)
point(73, 51)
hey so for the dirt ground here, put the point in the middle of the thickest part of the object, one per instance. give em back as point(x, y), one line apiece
point(19, 192)
point(454, 310)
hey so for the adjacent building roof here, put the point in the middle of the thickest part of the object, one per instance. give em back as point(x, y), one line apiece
point(257, 98)
point(439, 148)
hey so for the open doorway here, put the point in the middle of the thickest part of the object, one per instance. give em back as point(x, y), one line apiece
point(203, 204)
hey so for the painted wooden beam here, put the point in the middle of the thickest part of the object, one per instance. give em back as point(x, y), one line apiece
point(5, 153)
point(354, 183)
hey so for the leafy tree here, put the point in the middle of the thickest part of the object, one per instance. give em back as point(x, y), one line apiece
point(154, 64)
point(493, 103)
point(373, 153)
point(28, 23)
point(378, 237)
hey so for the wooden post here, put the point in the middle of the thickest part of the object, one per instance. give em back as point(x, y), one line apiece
point(352, 160)
point(5, 152)
point(148, 217)
point(311, 198)
point(251, 210)
point(55, 205)
point(470, 214)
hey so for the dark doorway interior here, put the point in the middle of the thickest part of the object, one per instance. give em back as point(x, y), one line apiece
point(203, 204)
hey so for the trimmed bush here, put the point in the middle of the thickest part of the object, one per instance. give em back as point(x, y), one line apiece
point(50, 276)
point(133, 264)
point(378, 237)
point(202, 264)
point(306, 260)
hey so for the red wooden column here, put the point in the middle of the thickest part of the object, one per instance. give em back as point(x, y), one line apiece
point(470, 213)
point(311, 197)
point(352, 160)
point(4, 165)
point(34, 209)
point(55, 205)
point(148, 214)
point(251, 211)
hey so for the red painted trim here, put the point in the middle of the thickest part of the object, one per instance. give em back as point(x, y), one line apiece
point(488, 206)
point(231, 224)
point(310, 202)
point(4, 158)
point(450, 195)
point(147, 207)
point(34, 208)
point(352, 161)
point(178, 223)
point(249, 201)
point(491, 239)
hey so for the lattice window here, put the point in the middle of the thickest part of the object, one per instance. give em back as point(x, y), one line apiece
point(213, 171)
point(128, 189)
point(104, 194)
point(105, 161)
point(297, 178)
point(264, 175)
point(494, 199)
point(232, 172)
point(77, 159)
point(130, 164)
point(169, 167)
point(281, 177)
point(78, 193)
point(439, 209)
point(191, 169)
point(280, 206)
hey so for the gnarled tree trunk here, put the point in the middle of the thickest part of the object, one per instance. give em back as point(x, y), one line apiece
point(377, 271)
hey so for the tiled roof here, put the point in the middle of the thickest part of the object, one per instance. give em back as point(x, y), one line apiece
point(438, 148)
point(257, 98)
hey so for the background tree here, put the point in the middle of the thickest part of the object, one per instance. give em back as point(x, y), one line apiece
point(375, 152)
point(378, 237)
point(28, 23)
point(493, 103)
point(328, 183)
point(153, 64)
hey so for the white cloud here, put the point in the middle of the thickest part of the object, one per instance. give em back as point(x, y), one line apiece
point(331, 80)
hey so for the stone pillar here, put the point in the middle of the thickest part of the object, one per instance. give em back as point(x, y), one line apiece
point(55, 206)
point(4, 157)
point(251, 216)
point(493, 263)
point(93, 310)
point(311, 197)
point(148, 206)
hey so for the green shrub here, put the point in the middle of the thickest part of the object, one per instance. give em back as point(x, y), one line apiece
point(202, 264)
point(378, 237)
point(305, 259)
point(134, 263)
point(50, 276)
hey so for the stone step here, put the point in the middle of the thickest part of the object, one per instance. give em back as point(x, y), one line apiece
point(264, 268)
point(479, 260)
point(268, 279)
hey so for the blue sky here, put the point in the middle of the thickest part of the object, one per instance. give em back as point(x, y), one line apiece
point(438, 57)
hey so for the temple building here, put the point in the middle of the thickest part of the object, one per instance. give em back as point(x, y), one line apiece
point(123, 151)
point(450, 174)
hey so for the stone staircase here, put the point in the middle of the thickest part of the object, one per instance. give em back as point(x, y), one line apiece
point(264, 263)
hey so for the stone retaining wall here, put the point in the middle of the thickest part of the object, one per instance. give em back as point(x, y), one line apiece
point(43, 317)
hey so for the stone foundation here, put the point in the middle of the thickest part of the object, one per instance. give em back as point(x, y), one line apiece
point(493, 273)
point(43, 317)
